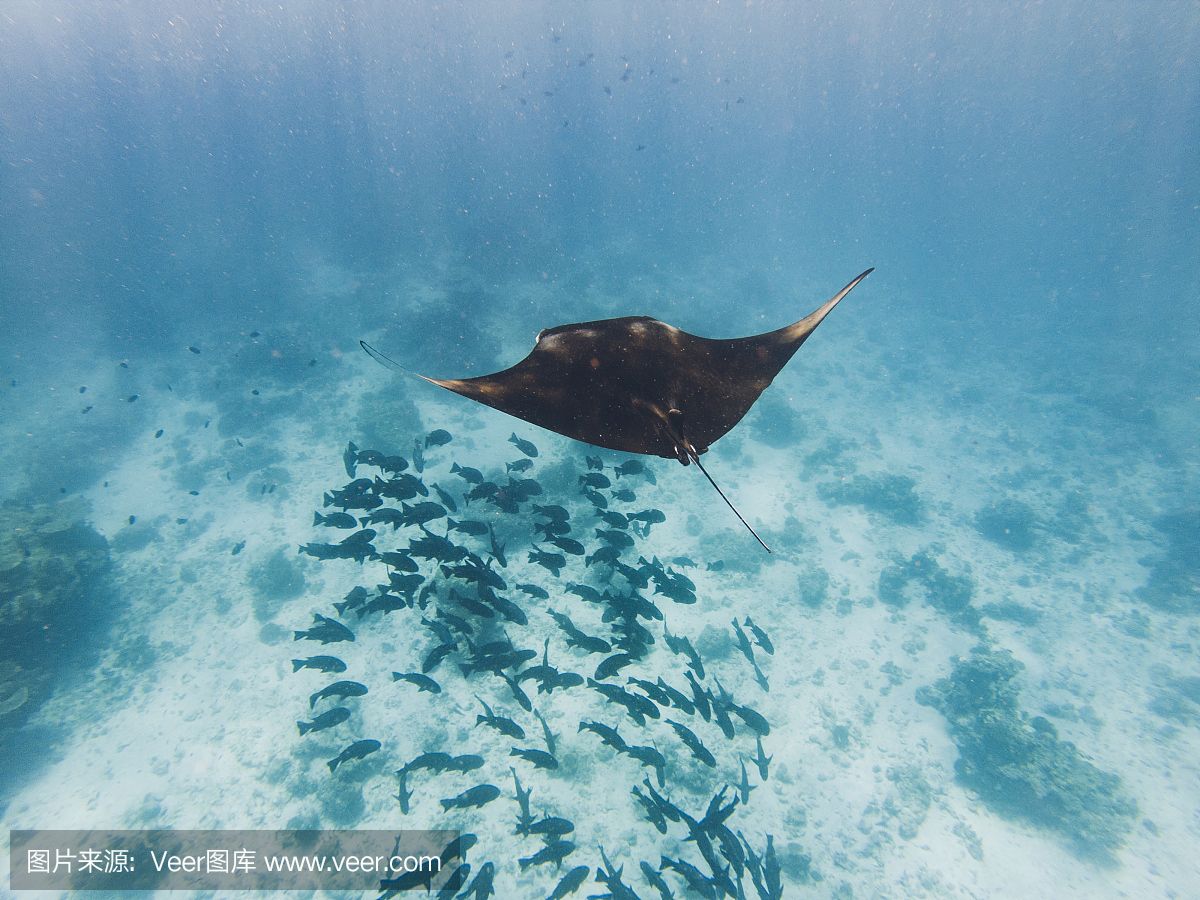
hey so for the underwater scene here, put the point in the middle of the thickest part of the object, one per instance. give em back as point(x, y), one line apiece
point(406, 429)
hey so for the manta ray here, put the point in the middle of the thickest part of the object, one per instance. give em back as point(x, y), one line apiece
point(638, 385)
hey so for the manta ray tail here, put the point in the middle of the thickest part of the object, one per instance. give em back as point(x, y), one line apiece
point(389, 363)
point(700, 465)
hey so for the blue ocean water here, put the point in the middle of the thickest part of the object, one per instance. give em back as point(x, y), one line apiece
point(979, 476)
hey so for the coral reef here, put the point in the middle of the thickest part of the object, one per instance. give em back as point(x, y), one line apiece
point(1009, 523)
point(813, 586)
point(892, 496)
point(1017, 764)
point(922, 578)
point(1174, 581)
point(776, 423)
point(52, 566)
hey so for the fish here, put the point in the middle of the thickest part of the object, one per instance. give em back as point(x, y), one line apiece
point(696, 880)
point(335, 520)
point(496, 662)
point(760, 677)
point(350, 459)
point(638, 385)
point(744, 786)
point(327, 719)
point(568, 545)
point(503, 724)
point(761, 760)
point(435, 656)
point(467, 762)
point(547, 734)
point(521, 465)
point(354, 599)
point(420, 513)
point(612, 665)
point(434, 761)
point(482, 887)
point(439, 437)
point(639, 708)
point(652, 690)
point(435, 546)
point(447, 501)
point(325, 630)
point(472, 798)
point(743, 642)
point(648, 516)
point(720, 713)
point(760, 637)
point(607, 735)
point(653, 814)
point(615, 537)
point(607, 554)
point(677, 698)
point(339, 689)
point(552, 562)
point(693, 743)
point(595, 480)
point(482, 491)
point(507, 608)
point(554, 513)
point(518, 694)
point(403, 794)
point(320, 663)
point(681, 645)
point(570, 883)
point(554, 852)
point(585, 592)
point(497, 548)
point(614, 519)
point(651, 757)
point(533, 590)
point(577, 638)
point(423, 682)
point(611, 878)
point(655, 880)
point(540, 758)
point(754, 720)
point(357, 750)
point(700, 697)
point(525, 819)
point(521, 444)
point(404, 486)
point(458, 623)
point(468, 526)
point(467, 474)
point(357, 547)
point(630, 467)
point(771, 871)
point(399, 560)
point(551, 825)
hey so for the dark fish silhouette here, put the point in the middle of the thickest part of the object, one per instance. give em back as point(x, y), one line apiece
point(570, 882)
point(477, 796)
point(320, 663)
point(357, 750)
point(328, 719)
point(423, 682)
point(650, 387)
point(339, 689)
